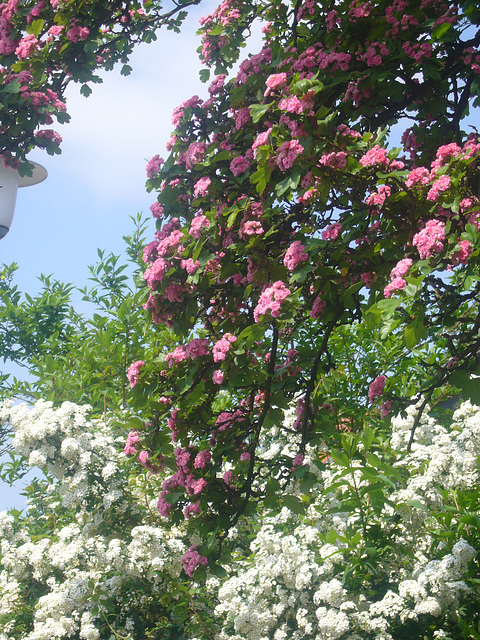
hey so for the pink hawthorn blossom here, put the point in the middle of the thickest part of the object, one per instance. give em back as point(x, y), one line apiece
point(332, 231)
point(287, 154)
point(154, 165)
point(133, 372)
point(376, 388)
point(430, 239)
point(198, 223)
point(132, 439)
point(439, 185)
point(239, 165)
point(222, 347)
point(271, 299)
point(295, 255)
point(218, 376)
point(201, 187)
point(375, 155)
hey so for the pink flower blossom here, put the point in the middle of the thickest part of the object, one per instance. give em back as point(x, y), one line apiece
point(222, 347)
point(133, 372)
point(439, 185)
point(295, 255)
point(332, 231)
point(317, 307)
point(198, 223)
point(154, 165)
point(217, 377)
point(201, 187)
point(375, 155)
point(250, 228)
point(156, 272)
point(191, 560)
point(275, 81)
point(377, 198)
point(395, 285)
point(430, 239)
point(334, 159)
point(26, 46)
point(239, 165)
point(194, 154)
point(376, 388)
point(401, 268)
point(261, 140)
point(419, 175)
point(287, 154)
point(132, 439)
point(202, 459)
point(461, 256)
point(271, 299)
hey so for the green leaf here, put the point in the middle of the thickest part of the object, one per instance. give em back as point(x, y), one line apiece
point(258, 110)
point(414, 333)
point(294, 504)
point(204, 75)
point(340, 458)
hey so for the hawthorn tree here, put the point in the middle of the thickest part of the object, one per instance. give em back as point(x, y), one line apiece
point(46, 44)
point(317, 246)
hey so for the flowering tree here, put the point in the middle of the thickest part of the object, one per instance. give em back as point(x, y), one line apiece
point(46, 44)
point(302, 259)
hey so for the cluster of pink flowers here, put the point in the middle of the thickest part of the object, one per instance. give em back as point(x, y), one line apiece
point(239, 165)
point(154, 165)
point(76, 33)
point(294, 255)
point(317, 307)
point(419, 175)
point(275, 81)
point(397, 277)
point(439, 185)
point(202, 459)
point(418, 51)
point(222, 347)
point(334, 159)
point(462, 255)
point(200, 221)
point(250, 228)
point(287, 154)
point(194, 154)
point(26, 46)
point(376, 388)
point(201, 187)
point(132, 439)
point(156, 271)
point(191, 560)
point(375, 155)
point(294, 104)
point(179, 111)
point(194, 349)
point(430, 239)
point(377, 198)
point(133, 372)
point(332, 231)
point(271, 300)
point(374, 54)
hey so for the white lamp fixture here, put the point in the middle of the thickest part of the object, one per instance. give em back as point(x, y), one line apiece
point(10, 180)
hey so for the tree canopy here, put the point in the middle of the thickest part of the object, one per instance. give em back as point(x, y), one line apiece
point(317, 244)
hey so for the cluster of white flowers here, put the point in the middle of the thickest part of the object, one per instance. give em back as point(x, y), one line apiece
point(295, 584)
point(89, 558)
